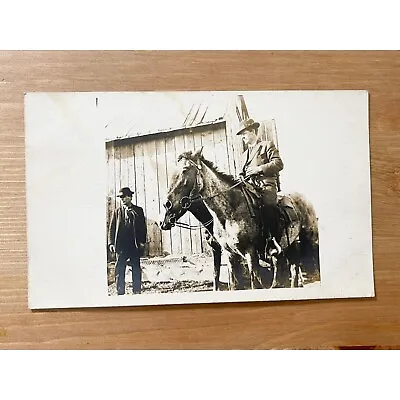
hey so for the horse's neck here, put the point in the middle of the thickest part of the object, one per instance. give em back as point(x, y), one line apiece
point(200, 211)
point(217, 194)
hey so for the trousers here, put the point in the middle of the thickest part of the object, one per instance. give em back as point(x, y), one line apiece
point(270, 210)
point(269, 195)
point(120, 270)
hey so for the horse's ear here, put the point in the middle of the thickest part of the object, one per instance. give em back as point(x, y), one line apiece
point(197, 156)
point(199, 152)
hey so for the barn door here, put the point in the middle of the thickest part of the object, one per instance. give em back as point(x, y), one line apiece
point(267, 131)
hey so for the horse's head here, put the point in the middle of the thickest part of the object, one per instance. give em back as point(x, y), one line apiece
point(182, 188)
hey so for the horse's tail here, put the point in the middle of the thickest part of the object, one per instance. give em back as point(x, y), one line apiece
point(308, 236)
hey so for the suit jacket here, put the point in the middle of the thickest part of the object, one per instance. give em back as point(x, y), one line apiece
point(114, 233)
point(265, 155)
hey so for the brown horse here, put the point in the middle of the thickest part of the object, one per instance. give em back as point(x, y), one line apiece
point(236, 229)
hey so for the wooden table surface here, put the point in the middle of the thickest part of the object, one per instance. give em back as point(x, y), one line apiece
point(301, 324)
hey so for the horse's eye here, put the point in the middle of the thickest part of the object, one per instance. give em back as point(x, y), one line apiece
point(168, 205)
point(185, 202)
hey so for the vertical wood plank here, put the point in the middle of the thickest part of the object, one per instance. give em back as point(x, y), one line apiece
point(208, 145)
point(274, 133)
point(110, 190)
point(132, 170)
point(170, 162)
point(238, 149)
point(140, 178)
point(197, 139)
point(117, 170)
point(152, 197)
point(110, 177)
point(162, 190)
point(185, 233)
point(125, 182)
point(264, 131)
point(234, 141)
point(220, 148)
point(230, 151)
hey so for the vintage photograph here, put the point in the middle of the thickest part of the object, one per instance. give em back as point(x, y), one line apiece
point(197, 197)
point(198, 205)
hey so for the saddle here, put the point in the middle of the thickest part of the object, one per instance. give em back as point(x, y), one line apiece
point(285, 203)
point(291, 219)
point(289, 216)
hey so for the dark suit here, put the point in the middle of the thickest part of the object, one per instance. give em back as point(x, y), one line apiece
point(127, 231)
point(265, 155)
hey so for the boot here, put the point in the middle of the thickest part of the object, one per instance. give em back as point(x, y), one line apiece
point(264, 240)
point(275, 237)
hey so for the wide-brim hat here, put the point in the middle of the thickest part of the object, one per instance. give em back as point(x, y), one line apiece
point(247, 124)
point(125, 191)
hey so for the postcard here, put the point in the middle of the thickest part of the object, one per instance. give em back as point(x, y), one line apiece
point(153, 198)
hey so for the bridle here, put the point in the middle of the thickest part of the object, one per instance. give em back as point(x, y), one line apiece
point(186, 201)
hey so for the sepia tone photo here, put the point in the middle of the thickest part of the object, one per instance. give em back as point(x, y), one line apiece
point(197, 197)
point(199, 206)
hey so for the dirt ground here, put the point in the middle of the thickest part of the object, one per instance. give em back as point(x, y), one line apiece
point(175, 274)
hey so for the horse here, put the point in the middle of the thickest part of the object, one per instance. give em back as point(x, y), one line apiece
point(302, 254)
point(199, 210)
point(236, 228)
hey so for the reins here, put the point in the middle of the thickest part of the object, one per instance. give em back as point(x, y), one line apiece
point(198, 196)
point(193, 227)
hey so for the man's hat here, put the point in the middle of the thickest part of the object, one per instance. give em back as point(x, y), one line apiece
point(247, 124)
point(125, 191)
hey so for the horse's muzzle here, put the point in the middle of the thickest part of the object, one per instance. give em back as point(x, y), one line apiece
point(166, 225)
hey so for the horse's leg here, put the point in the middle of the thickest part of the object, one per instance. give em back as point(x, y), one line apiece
point(274, 269)
point(282, 278)
point(236, 272)
point(200, 211)
point(254, 269)
point(217, 252)
point(296, 278)
point(299, 275)
point(293, 260)
point(309, 256)
point(293, 276)
point(250, 266)
point(266, 276)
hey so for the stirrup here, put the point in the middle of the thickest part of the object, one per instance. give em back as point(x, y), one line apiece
point(277, 250)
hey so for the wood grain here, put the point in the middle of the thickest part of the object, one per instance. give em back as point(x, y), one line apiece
point(301, 324)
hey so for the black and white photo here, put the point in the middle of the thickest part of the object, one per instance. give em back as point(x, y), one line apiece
point(233, 199)
point(199, 197)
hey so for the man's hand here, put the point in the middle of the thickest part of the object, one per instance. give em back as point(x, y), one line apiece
point(253, 171)
point(112, 248)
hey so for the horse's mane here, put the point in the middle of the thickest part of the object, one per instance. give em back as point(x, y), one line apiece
point(229, 179)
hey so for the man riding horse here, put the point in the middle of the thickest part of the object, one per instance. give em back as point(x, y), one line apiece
point(261, 165)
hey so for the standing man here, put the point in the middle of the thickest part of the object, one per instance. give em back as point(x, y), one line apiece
point(262, 163)
point(127, 237)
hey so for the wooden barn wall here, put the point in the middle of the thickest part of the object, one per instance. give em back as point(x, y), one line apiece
point(146, 165)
